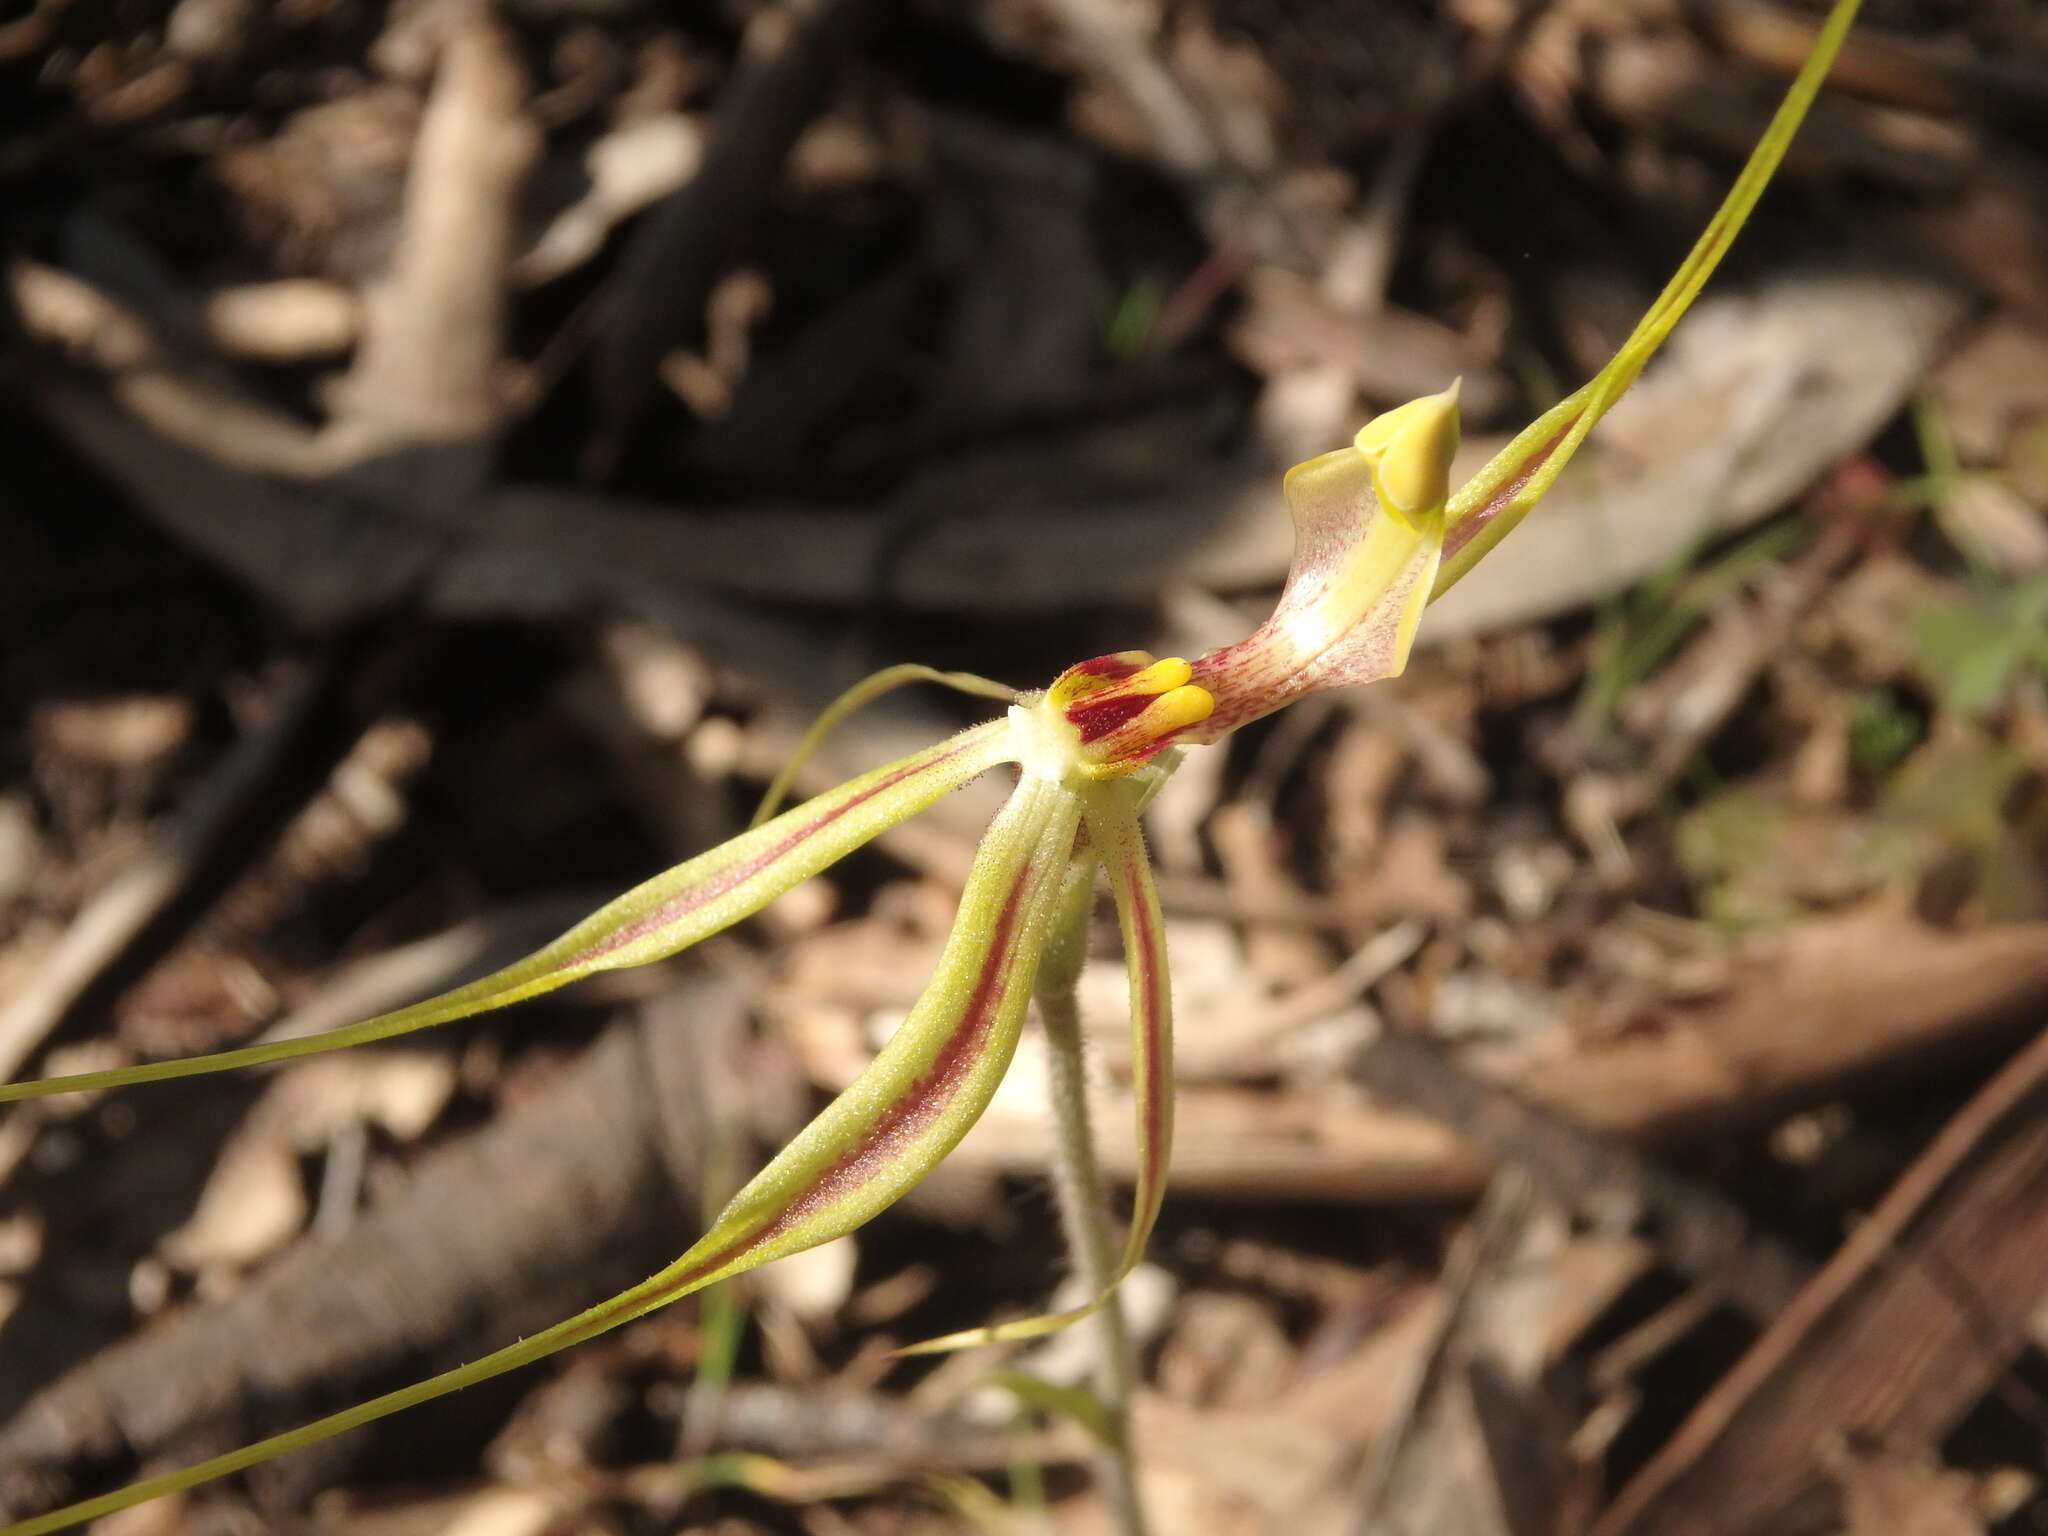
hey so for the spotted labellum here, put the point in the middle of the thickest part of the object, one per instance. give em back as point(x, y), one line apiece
point(1378, 534)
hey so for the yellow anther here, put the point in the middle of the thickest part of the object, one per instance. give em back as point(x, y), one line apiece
point(1163, 675)
point(1118, 711)
point(1134, 742)
point(1179, 708)
point(1411, 448)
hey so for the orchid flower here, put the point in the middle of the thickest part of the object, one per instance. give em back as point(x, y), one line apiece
point(1378, 534)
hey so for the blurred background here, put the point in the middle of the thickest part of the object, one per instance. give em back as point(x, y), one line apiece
point(451, 448)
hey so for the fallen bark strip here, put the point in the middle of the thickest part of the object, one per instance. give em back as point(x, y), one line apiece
point(1916, 1316)
point(1478, 1447)
point(1813, 1008)
point(585, 1190)
point(428, 368)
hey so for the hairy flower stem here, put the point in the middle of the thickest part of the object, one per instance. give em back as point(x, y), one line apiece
point(1077, 1179)
point(1079, 1184)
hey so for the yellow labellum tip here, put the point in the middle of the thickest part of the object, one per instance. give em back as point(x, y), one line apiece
point(1411, 448)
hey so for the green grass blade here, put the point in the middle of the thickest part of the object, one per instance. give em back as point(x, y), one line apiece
point(1078, 1404)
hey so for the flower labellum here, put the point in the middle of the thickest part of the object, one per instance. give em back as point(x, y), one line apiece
point(1368, 532)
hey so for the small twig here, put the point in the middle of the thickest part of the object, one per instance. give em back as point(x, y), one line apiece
point(1202, 896)
point(1482, 1250)
point(1256, 1043)
point(1913, 1318)
point(1120, 52)
point(666, 273)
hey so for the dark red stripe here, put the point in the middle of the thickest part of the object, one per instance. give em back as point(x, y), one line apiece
point(1096, 718)
point(1113, 666)
point(1461, 535)
point(1151, 1103)
point(912, 1114)
point(727, 880)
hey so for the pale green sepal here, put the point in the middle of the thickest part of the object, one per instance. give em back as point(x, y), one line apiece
point(1487, 507)
point(1118, 842)
point(936, 1075)
point(872, 1143)
point(668, 913)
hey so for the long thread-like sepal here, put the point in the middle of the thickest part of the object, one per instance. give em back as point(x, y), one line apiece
point(1488, 506)
point(668, 913)
point(878, 1138)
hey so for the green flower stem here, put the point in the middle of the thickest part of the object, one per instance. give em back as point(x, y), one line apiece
point(1077, 1179)
point(1079, 1183)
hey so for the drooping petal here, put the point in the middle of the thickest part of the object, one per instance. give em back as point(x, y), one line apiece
point(905, 1112)
point(668, 913)
point(1115, 830)
point(1114, 834)
point(1368, 529)
point(934, 1078)
point(1488, 506)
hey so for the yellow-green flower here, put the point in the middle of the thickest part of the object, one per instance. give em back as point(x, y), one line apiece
point(1377, 535)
